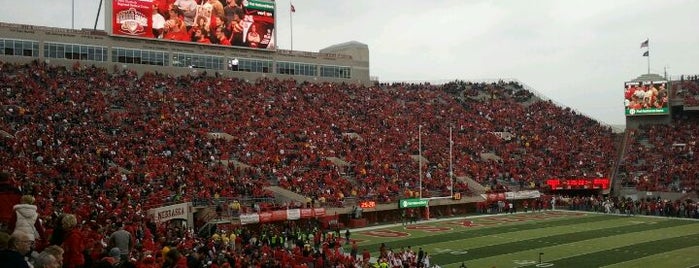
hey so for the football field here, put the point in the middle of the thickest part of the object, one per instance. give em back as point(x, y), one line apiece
point(544, 239)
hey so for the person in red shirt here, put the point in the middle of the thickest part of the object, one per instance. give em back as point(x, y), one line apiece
point(221, 37)
point(366, 256)
point(201, 36)
point(175, 28)
point(73, 244)
point(9, 196)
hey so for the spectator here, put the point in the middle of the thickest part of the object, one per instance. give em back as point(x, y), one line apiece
point(122, 240)
point(4, 240)
point(74, 244)
point(46, 260)
point(56, 252)
point(27, 217)
point(9, 196)
point(173, 259)
point(19, 245)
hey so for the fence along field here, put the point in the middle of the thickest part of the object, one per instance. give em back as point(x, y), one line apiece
point(545, 239)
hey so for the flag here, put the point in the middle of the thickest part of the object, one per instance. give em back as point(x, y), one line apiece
point(645, 54)
point(293, 10)
point(644, 43)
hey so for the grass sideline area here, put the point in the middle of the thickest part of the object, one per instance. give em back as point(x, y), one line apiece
point(560, 238)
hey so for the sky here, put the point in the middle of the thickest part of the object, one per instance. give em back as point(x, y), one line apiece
point(577, 53)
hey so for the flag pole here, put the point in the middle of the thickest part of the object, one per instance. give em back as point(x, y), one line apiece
point(291, 24)
point(648, 59)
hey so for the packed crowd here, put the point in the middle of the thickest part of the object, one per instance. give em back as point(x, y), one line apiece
point(641, 206)
point(25, 241)
point(661, 157)
point(104, 147)
point(548, 141)
point(688, 90)
point(100, 131)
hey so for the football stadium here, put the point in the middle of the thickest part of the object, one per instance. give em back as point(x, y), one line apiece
point(182, 134)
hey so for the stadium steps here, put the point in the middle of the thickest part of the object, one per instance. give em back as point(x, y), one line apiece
point(646, 143)
point(490, 156)
point(475, 187)
point(6, 135)
point(121, 169)
point(236, 164)
point(281, 194)
point(344, 167)
point(621, 153)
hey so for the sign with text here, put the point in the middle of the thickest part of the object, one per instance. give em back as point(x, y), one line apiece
point(181, 211)
point(412, 203)
point(281, 215)
point(583, 183)
point(367, 204)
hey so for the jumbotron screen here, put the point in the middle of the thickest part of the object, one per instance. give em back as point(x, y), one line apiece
point(240, 23)
point(646, 98)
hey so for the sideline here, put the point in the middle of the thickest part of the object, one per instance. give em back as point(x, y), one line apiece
point(373, 259)
point(435, 220)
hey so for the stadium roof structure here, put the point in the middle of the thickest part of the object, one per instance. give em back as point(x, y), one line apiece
point(345, 45)
point(357, 50)
point(649, 77)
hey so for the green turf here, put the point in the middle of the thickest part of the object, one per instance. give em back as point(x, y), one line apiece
point(418, 237)
point(597, 259)
point(567, 240)
point(519, 234)
point(597, 245)
point(549, 241)
point(684, 257)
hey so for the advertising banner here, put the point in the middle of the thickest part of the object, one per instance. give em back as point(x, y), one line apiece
point(279, 215)
point(306, 213)
point(293, 214)
point(265, 217)
point(494, 196)
point(528, 194)
point(319, 212)
point(412, 203)
point(162, 214)
point(249, 218)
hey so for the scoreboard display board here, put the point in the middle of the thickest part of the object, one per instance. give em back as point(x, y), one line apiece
point(246, 24)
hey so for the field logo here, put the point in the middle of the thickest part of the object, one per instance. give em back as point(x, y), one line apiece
point(429, 229)
point(531, 262)
point(450, 251)
point(386, 233)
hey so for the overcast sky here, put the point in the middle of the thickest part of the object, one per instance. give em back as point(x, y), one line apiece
point(577, 53)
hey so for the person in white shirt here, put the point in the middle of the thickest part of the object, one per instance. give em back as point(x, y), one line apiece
point(158, 22)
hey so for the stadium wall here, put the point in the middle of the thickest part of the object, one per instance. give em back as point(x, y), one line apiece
point(33, 42)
